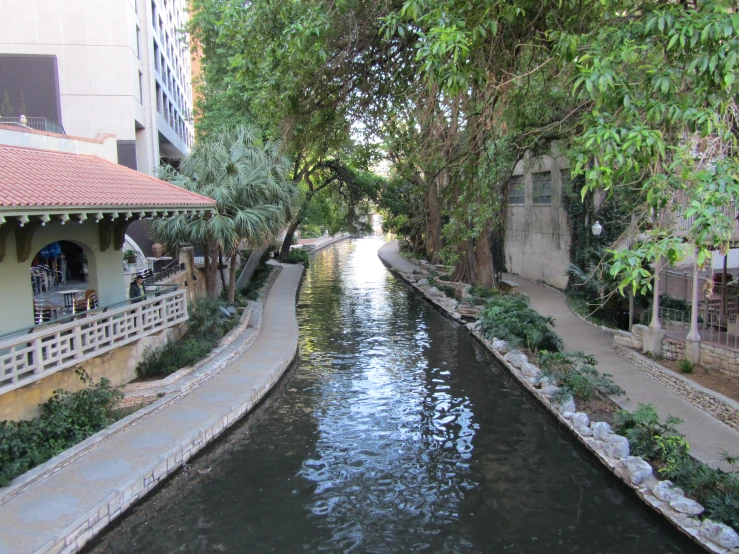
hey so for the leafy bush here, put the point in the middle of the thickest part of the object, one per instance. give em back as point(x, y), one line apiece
point(66, 419)
point(297, 256)
point(509, 317)
point(252, 290)
point(482, 292)
point(643, 429)
point(451, 292)
point(575, 374)
point(207, 320)
point(174, 355)
point(660, 442)
point(686, 366)
point(207, 325)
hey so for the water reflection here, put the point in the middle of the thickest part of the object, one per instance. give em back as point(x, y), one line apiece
point(396, 433)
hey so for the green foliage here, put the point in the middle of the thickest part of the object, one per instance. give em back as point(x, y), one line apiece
point(450, 291)
point(129, 256)
point(260, 276)
point(643, 429)
point(206, 319)
point(174, 355)
point(207, 323)
point(298, 256)
point(686, 366)
point(509, 317)
point(659, 83)
point(66, 419)
point(576, 376)
point(662, 443)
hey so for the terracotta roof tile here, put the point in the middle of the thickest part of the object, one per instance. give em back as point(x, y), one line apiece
point(35, 178)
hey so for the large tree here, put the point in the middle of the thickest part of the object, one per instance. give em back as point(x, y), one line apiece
point(248, 179)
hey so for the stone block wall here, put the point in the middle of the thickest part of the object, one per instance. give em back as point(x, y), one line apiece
point(718, 357)
point(720, 407)
point(673, 349)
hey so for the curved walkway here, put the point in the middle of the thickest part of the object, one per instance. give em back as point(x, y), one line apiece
point(707, 436)
point(64, 511)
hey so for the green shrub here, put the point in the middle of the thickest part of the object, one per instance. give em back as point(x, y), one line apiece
point(66, 419)
point(509, 317)
point(207, 320)
point(261, 274)
point(576, 376)
point(482, 292)
point(174, 355)
point(686, 366)
point(297, 256)
point(450, 291)
point(643, 429)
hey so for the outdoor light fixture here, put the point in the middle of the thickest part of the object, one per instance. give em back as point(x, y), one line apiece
point(23, 120)
point(99, 217)
point(129, 215)
point(23, 220)
point(142, 215)
point(113, 216)
point(44, 219)
point(64, 218)
point(597, 228)
point(2, 219)
point(82, 217)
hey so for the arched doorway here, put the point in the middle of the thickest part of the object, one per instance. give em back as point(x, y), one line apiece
point(59, 278)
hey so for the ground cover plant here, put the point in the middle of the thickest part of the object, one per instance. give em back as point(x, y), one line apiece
point(576, 376)
point(663, 445)
point(510, 318)
point(66, 419)
point(297, 256)
point(207, 323)
point(256, 283)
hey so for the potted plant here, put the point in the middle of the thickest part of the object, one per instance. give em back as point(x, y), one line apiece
point(130, 256)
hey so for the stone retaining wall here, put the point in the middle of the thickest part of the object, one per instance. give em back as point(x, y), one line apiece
point(720, 407)
point(725, 360)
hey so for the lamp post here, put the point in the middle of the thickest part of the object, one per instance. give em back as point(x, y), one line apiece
point(597, 229)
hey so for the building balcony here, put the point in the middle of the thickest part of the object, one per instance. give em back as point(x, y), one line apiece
point(31, 354)
point(36, 123)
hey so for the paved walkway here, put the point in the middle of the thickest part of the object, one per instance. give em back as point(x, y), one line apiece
point(62, 512)
point(707, 436)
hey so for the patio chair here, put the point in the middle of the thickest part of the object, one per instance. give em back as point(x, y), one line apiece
point(88, 301)
point(44, 311)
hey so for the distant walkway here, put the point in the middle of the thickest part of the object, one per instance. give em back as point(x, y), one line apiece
point(65, 510)
point(707, 436)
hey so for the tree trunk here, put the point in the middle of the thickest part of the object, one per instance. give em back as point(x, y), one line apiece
point(466, 269)
point(433, 221)
point(211, 267)
point(285, 250)
point(485, 266)
point(224, 286)
point(232, 277)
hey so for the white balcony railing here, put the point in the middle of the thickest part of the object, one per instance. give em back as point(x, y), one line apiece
point(32, 356)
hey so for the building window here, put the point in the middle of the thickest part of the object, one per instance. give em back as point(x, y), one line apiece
point(159, 98)
point(515, 190)
point(542, 187)
point(141, 87)
point(138, 42)
point(566, 178)
point(156, 57)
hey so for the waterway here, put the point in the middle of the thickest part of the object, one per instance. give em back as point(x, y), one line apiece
point(395, 432)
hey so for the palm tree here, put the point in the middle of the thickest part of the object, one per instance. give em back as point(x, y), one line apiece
point(254, 199)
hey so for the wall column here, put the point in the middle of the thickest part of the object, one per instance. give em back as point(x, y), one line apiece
point(692, 341)
point(654, 334)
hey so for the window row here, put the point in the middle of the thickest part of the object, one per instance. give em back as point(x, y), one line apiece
point(541, 187)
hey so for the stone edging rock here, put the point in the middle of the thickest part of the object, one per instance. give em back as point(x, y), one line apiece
point(722, 408)
point(611, 449)
point(40, 472)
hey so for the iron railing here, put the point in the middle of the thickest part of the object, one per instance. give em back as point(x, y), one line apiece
point(36, 123)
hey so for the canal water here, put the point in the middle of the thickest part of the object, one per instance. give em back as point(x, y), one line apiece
point(395, 432)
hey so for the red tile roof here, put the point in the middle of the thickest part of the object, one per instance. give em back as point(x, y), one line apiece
point(42, 178)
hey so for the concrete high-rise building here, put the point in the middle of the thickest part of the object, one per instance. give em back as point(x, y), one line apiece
point(101, 66)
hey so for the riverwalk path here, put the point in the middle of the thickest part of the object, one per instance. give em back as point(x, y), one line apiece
point(707, 435)
point(65, 510)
